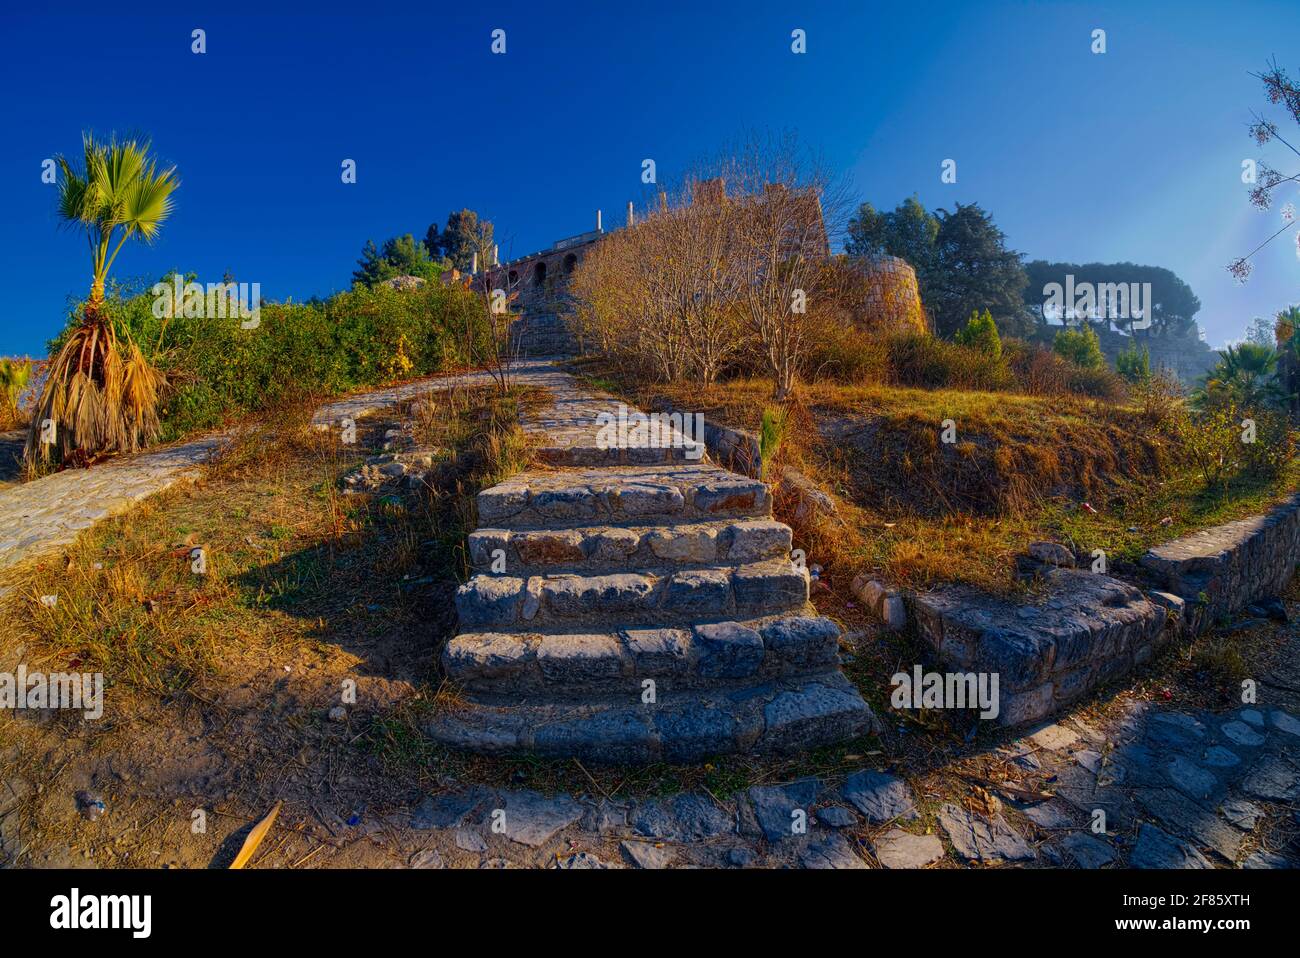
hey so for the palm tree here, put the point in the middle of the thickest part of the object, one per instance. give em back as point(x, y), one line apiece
point(101, 393)
point(1245, 377)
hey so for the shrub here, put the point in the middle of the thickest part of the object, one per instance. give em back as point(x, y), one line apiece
point(981, 333)
point(217, 370)
point(846, 354)
point(1080, 346)
point(924, 361)
point(1133, 364)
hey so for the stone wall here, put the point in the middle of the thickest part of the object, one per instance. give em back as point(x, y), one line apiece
point(1085, 629)
point(1219, 571)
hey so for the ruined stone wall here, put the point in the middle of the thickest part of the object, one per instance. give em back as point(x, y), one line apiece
point(541, 280)
point(890, 297)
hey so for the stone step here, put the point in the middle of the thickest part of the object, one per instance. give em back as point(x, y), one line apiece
point(583, 665)
point(654, 596)
point(567, 498)
point(628, 547)
point(782, 717)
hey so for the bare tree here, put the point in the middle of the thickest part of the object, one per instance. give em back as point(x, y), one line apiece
point(785, 211)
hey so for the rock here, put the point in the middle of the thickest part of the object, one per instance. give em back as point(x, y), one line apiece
point(647, 855)
point(900, 849)
point(604, 817)
point(1243, 814)
point(1284, 722)
point(1089, 759)
point(880, 797)
point(1190, 779)
point(1220, 757)
point(1251, 717)
point(426, 859)
point(1242, 734)
point(836, 816)
point(1052, 553)
point(976, 838)
point(1272, 779)
point(468, 840)
point(1087, 850)
point(777, 806)
point(829, 851)
point(532, 819)
point(1191, 819)
point(338, 714)
point(1266, 859)
point(687, 818)
point(1048, 815)
point(582, 861)
point(728, 650)
point(1157, 849)
point(1175, 729)
point(739, 857)
point(1055, 737)
point(450, 809)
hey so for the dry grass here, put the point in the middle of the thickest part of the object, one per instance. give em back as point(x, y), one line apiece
point(917, 510)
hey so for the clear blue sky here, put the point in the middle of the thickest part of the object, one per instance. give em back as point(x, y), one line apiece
point(1130, 155)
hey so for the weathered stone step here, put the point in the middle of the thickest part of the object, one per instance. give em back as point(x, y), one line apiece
point(782, 716)
point(571, 666)
point(628, 547)
point(656, 596)
point(567, 498)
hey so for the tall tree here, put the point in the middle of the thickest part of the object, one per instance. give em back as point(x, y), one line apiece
point(433, 241)
point(973, 270)
point(909, 232)
point(465, 235)
point(399, 256)
point(1173, 308)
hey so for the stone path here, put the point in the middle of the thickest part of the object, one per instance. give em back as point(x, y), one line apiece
point(635, 604)
point(49, 513)
point(1172, 794)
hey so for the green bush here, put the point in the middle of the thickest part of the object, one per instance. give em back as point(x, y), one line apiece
point(924, 361)
point(1080, 346)
point(980, 332)
point(217, 370)
point(1133, 364)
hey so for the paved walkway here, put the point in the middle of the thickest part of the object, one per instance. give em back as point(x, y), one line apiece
point(47, 514)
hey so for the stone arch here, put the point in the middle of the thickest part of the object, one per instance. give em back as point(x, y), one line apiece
point(513, 279)
point(570, 262)
point(539, 273)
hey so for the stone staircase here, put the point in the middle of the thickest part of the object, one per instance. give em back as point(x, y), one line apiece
point(541, 331)
point(644, 608)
